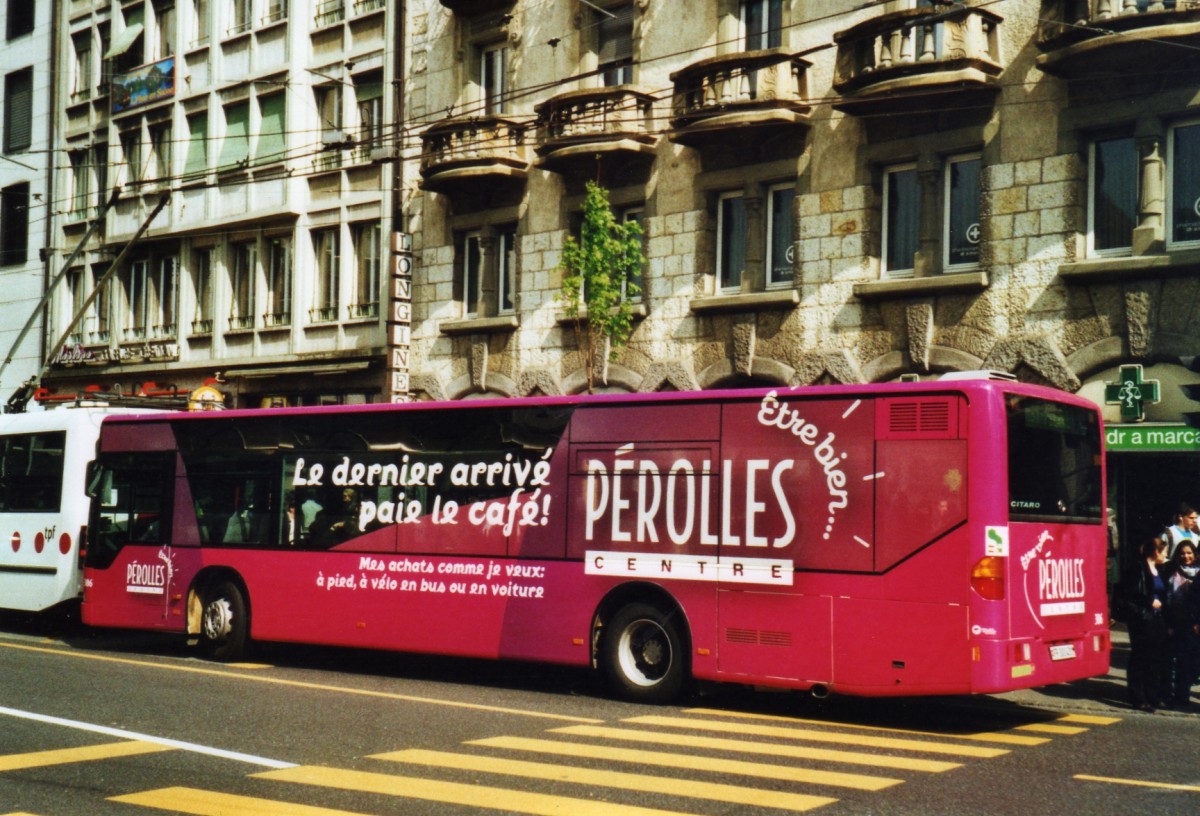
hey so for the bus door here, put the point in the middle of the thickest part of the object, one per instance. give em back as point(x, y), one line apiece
point(130, 573)
point(796, 496)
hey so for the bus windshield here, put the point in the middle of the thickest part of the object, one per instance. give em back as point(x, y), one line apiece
point(1053, 461)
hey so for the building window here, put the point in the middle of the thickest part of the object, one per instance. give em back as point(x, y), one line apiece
point(158, 160)
point(638, 215)
point(276, 10)
point(370, 268)
point(196, 161)
point(901, 219)
point(242, 269)
point(164, 286)
point(614, 45)
point(942, 204)
point(199, 23)
point(328, 100)
point(493, 78)
point(81, 184)
point(731, 240)
point(470, 262)
point(762, 24)
point(101, 306)
point(1183, 159)
point(20, 18)
point(131, 155)
point(18, 110)
point(330, 12)
point(135, 301)
point(279, 282)
point(81, 79)
point(1113, 196)
point(960, 238)
point(76, 297)
point(781, 235)
point(202, 320)
point(368, 96)
point(506, 269)
point(100, 166)
point(163, 44)
point(325, 293)
point(235, 147)
point(132, 52)
point(14, 224)
point(240, 16)
point(272, 131)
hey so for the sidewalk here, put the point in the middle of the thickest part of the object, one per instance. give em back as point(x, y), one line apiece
point(1107, 694)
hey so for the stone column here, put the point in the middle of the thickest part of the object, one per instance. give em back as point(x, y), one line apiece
point(754, 275)
point(928, 259)
point(1148, 236)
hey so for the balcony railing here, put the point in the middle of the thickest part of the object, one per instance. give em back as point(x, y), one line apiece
point(736, 91)
point(330, 12)
point(475, 147)
point(917, 51)
point(1111, 37)
point(595, 120)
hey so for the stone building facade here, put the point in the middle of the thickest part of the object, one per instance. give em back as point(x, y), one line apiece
point(829, 193)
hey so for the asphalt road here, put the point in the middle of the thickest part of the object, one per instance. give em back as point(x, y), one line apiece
point(129, 724)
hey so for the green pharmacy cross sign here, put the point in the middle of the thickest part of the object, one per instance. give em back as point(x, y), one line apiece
point(1132, 393)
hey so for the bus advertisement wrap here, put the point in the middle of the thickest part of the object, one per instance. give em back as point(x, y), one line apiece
point(857, 539)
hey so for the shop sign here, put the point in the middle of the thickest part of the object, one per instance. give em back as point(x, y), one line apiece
point(1152, 438)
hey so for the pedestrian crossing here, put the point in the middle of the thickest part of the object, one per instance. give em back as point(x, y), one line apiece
point(696, 761)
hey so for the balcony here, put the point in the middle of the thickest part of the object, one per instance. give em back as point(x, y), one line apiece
point(1114, 38)
point(575, 128)
point(735, 97)
point(898, 61)
point(472, 7)
point(459, 154)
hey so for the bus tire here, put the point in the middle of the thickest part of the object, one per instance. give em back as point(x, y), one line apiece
point(224, 630)
point(642, 654)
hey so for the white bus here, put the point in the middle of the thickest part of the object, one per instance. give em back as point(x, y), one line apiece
point(44, 460)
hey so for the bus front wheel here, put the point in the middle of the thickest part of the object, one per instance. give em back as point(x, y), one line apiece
point(223, 627)
point(642, 654)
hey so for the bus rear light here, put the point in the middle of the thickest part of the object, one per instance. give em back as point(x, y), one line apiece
point(1022, 653)
point(987, 578)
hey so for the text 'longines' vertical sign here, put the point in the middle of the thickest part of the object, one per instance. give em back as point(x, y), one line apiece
point(400, 317)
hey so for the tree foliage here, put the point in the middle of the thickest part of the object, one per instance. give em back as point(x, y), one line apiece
point(600, 273)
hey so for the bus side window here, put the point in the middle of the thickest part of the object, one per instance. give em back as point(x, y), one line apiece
point(132, 505)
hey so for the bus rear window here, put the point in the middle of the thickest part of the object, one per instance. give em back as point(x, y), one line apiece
point(1053, 461)
point(31, 468)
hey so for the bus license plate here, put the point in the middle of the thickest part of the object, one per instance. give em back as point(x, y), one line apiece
point(1062, 651)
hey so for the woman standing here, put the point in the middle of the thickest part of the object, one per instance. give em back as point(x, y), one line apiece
point(1145, 598)
point(1183, 624)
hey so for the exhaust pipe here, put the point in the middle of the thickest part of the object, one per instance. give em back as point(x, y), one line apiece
point(819, 691)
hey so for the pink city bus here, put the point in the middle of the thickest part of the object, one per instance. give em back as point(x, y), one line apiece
point(939, 537)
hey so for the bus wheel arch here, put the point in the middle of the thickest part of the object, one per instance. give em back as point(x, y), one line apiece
point(219, 614)
point(641, 643)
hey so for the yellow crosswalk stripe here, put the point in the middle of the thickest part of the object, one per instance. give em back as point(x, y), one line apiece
point(621, 780)
point(88, 753)
point(691, 762)
point(1053, 728)
point(1138, 783)
point(18, 813)
point(196, 802)
point(808, 734)
point(1089, 719)
point(745, 746)
point(998, 737)
point(456, 793)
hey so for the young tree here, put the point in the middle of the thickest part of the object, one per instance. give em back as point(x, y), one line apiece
point(600, 271)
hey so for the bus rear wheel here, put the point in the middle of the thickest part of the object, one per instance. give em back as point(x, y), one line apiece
point(642, 654)
point(223, 627)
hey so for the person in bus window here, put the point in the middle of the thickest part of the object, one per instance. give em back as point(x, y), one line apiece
point(335, 525)
point(1144, 593)
point(1184, 529)
point(1183, 622)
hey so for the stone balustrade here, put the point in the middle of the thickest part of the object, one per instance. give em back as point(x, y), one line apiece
point(915, 42)
point(475, 146)
point(594, 115)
